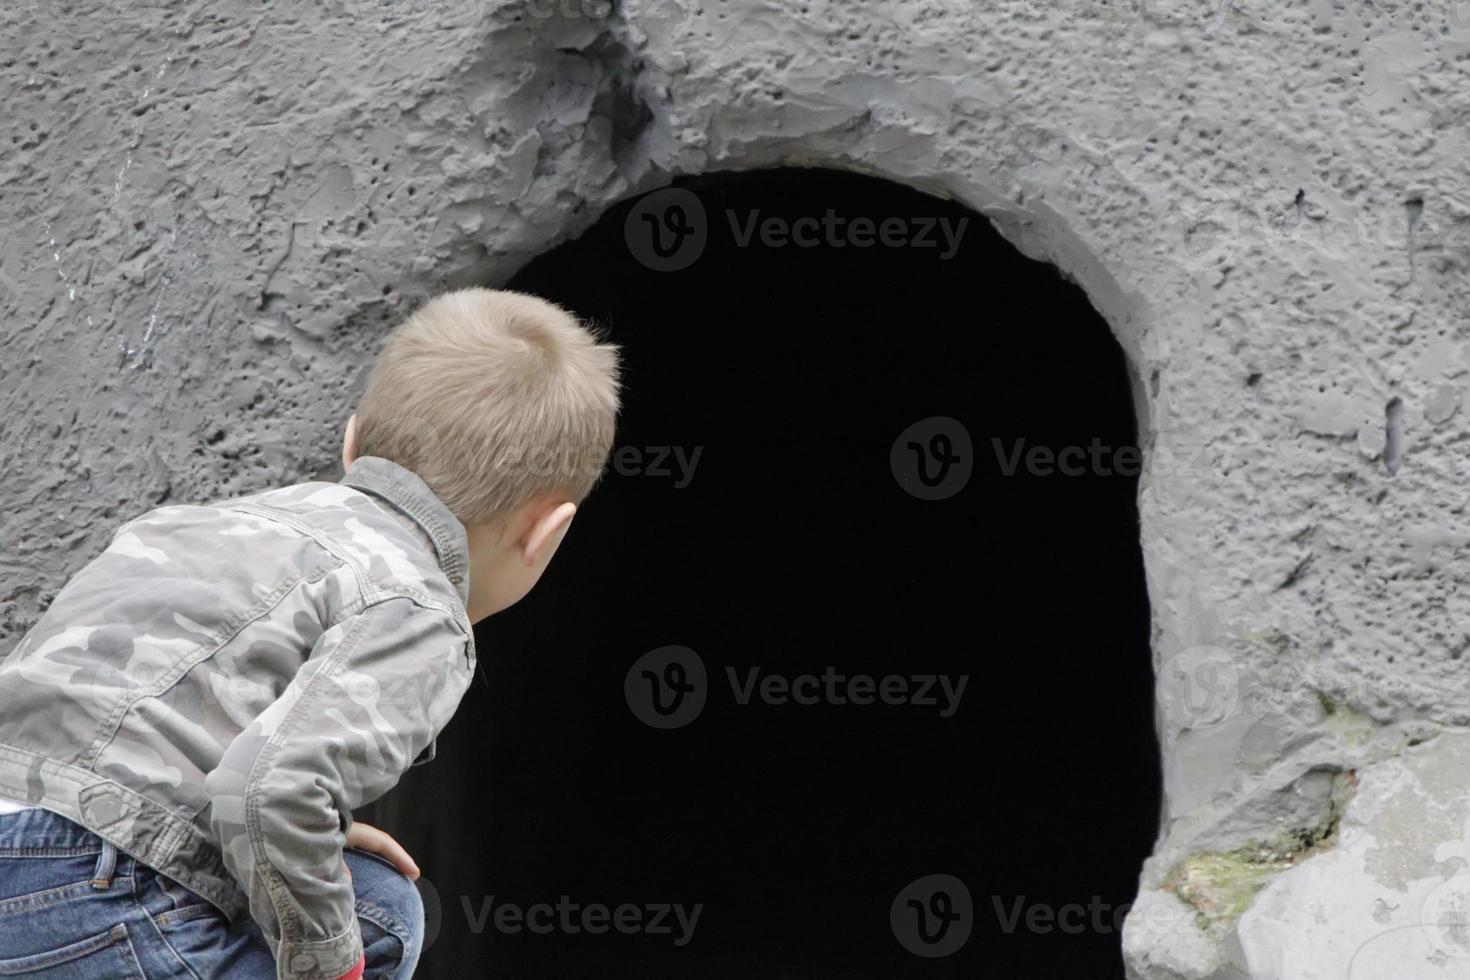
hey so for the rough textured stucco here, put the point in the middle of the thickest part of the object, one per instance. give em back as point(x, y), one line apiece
point(212, 213)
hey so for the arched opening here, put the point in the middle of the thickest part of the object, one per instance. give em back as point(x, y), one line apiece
point(767, 510)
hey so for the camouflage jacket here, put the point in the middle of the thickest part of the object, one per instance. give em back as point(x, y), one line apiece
point(218, 689)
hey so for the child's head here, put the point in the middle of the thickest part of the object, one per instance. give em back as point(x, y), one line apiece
point(504, 405)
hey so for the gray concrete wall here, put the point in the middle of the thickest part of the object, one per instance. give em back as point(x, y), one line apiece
point(212, 212)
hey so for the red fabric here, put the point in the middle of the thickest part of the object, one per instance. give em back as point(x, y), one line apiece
point(356, 972)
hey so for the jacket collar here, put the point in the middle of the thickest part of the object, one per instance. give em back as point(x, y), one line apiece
point(403, 489)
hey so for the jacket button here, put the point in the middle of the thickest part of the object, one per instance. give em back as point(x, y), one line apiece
point(303, 963)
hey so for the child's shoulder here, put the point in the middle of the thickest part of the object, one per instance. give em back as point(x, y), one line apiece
point(382, 542)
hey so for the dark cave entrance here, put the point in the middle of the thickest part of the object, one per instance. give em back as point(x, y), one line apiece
point(766, 509)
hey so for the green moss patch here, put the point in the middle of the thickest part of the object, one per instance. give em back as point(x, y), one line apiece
point(1219, 885)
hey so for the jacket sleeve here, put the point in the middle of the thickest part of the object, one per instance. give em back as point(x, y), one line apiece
point(375, 691)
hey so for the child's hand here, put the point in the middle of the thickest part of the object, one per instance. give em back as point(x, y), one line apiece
point(366, 837)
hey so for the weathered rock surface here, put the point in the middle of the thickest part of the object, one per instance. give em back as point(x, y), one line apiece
point(1392, 899)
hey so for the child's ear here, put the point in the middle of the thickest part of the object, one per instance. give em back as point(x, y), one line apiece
point(546, 533)
point(349, 443)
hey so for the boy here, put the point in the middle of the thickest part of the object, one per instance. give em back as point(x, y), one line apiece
point(185, 733)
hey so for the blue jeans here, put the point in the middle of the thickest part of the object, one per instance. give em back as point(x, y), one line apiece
point(72, 907)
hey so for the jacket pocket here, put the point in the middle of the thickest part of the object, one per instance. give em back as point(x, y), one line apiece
point(107, 954)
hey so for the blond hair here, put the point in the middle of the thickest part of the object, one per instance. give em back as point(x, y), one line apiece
point(492, 398)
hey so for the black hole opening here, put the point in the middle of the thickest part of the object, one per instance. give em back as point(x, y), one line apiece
point(793, 546)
